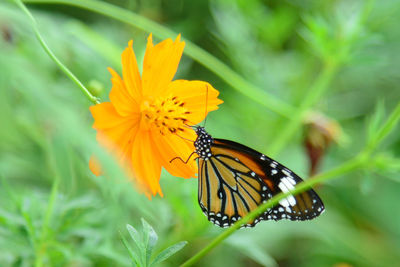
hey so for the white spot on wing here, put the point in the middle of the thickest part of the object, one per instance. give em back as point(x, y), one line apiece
point(286, 172)
point(292, 200)
point(284, 202)
point(291, 180)
point(286, 185)
point(264, 188)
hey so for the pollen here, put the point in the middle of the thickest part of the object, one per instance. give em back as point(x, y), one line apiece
point(167, 115)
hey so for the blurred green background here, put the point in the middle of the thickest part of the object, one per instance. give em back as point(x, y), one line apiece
point(337, 58)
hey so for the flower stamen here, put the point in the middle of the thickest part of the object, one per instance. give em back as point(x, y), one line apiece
point(166, 115)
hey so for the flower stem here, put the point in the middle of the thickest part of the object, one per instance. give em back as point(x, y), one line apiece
point(346, 167)
point(320, 85)
point(384, 130)
point(206, 59)
point(331, 65)
point(45, 226)
point(86, 92)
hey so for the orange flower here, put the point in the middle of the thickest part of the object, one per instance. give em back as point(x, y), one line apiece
point(145, 123)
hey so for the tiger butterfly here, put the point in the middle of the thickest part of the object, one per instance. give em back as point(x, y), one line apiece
point(235, 179)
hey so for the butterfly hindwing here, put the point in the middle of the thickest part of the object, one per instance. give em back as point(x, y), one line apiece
point(277, 178)
point(304, 206)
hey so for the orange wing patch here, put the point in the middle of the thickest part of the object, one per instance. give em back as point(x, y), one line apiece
point(238, 155)
point(246, 160)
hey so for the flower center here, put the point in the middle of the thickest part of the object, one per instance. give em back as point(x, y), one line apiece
point(167, 115)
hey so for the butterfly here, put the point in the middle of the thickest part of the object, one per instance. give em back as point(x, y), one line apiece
point(235, 179)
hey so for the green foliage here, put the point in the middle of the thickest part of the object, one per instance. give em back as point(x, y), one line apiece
point(273, 61)
point(145, 243)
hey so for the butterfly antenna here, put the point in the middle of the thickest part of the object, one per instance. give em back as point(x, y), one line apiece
point(184, 137)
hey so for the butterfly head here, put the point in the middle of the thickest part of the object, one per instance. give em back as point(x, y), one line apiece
point(203, 143)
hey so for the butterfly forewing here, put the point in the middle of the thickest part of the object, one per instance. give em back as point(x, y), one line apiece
point(228, 192)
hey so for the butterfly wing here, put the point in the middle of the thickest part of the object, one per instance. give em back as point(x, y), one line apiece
point(237, 179)
point(228, 190)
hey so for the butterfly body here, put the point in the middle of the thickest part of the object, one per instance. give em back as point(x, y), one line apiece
point(235, 179)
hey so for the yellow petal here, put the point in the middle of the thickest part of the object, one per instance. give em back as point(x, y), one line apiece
point(160, 65)
point(171, 146)
point(94, 166)
point(123, 102)
point(105, 116)
point(116, 140)
point(199, 98)
point(145, 164)
point(130, 72)
point(115, 133)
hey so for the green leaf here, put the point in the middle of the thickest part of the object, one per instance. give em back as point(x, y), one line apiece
point(134, 235)
point(387, 166)
point(139, 243)
point(150, 239)
point(132, 254)
point(168, 252)
point(375, 121)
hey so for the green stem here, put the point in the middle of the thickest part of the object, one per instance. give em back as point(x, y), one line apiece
point(384, 130)
point(321, 84)
point(206, 59)
point(29, 227)
point(92, 98)
point(319, 87)
point(362, 159)
point(44, 231)
point(349, 166)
